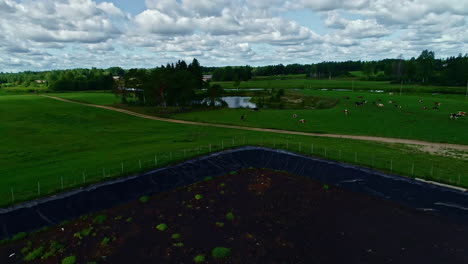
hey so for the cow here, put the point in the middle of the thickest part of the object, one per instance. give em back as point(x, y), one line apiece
point(358, 104)
point(397, 106)
point(421, 101)
point(294, 116)
point(435, 108)
point(454, 116)
point(392, 102)
point(242, 117)
point(380, 105)
point(437, 103)
point(347, 97)
point(302, 121)
point(460, 113)
point(346, 111)
point(360, 97)
point(255, 109)
point(425, 108)
point(379, 100)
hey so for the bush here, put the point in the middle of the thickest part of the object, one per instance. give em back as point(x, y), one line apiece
point(144, 199)
point(34, 254)
point(69, 260)
point(99, 219)
point(162, 227)
point(220, 252)
point(19, 236)
point(199, 259)
point(230, 216)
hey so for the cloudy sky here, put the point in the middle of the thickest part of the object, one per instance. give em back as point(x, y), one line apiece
point(57, 34)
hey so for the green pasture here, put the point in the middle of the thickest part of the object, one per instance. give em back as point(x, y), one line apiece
point(49, 146)
point(411, 121)
point(355, 85)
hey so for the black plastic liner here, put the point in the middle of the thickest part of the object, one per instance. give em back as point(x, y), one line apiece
point(36, 214)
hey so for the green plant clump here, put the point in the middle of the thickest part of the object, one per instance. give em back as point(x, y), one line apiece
point(69, 260)
point(220, 224)
point(199, 258)
point(209, 178)
point(230, 216)
point(326, 187)
point(220, 252)
point(129, 220)
point(179, 244)
point(161, 227)
point(99, 219)
point(105, 241)
point(233, 173)
point(176, 236)
point(144, 199)
point(198, 196)
point(54, 247)
point(19, 236)
point(34, 254)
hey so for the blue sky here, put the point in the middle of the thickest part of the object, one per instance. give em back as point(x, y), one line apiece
point(57, 34)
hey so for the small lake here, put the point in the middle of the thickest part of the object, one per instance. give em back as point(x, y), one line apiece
point(238, 101)
point(235, 102)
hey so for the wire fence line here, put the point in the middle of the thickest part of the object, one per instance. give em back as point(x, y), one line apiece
point(401, 165)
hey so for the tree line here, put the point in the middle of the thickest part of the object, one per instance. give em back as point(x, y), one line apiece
point(170, 85)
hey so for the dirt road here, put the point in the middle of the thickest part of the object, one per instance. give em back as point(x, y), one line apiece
point(432, 147)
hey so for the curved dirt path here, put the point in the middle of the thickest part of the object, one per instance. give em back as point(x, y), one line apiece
point(432, 147)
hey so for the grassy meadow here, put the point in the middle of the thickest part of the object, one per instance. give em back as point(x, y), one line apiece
point(348, 84)
point(49, 146)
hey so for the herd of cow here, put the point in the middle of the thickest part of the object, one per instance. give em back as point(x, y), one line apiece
point(379, 103)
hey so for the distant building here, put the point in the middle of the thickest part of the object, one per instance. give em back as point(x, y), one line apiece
point(207, 77)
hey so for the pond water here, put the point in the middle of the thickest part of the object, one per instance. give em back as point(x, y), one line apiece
point(235, 102)
point(238, 101)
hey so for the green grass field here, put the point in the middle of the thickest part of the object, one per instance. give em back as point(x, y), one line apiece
point(412, 121)
point(355, 85)
point(48, 145)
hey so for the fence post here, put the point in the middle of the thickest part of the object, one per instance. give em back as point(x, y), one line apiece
point(12, 196)
point(233, 142)
point(38, 189)
point(287, 144)
point(155, 160)
point(412, 170)
point(210, 147)
point(274, 142)
point(139, 162)
point(391, 165)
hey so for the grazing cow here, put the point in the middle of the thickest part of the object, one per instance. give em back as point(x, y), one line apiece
point(302, 121)
point(454, 116)
point(360, 97)
point(425, 108)
point(461, 113)
point(397, 106)
point(421, 101)
point(392, 102)
point(437, 103)
point(347, 97)
point(346, 111)
point(358, 104)
point(380, 105)
point(255, 109)
point(294, 116)
point(379, 100)
point(435, 108)
point(242, 117)
point(390, 93)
